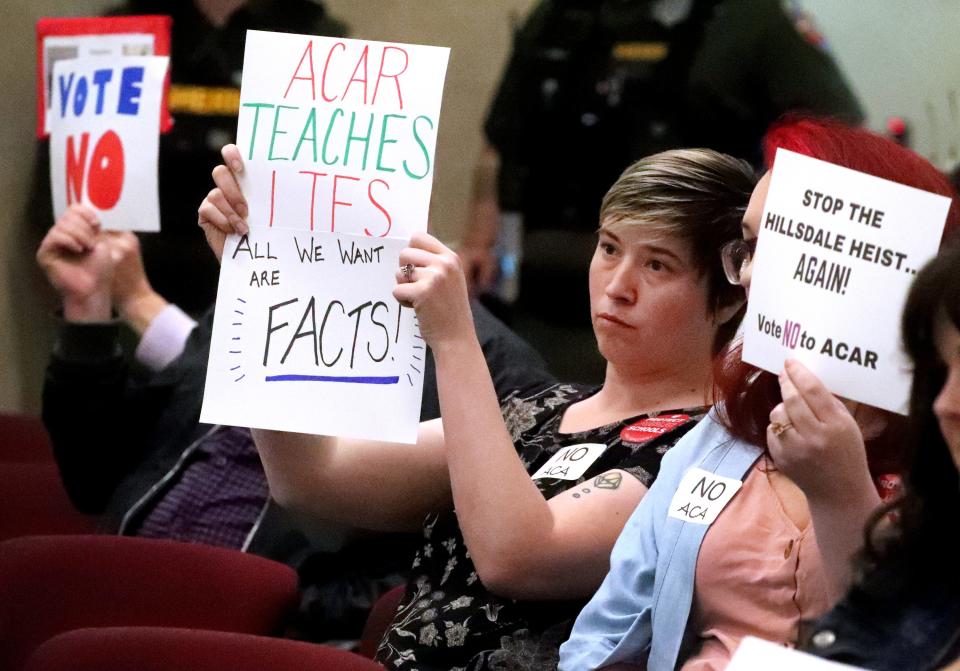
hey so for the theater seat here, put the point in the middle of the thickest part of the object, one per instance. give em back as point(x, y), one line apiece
point(23, 439)
point(54, 584)
point(162, 649)
point(33, 501)
point(380, 617)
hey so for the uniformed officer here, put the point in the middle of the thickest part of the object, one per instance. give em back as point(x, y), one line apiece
point(595, 84)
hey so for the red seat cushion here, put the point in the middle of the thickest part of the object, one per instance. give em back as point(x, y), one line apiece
point(23, 439)
point(53, 584)
point(381, 615)
point(33, 501)
point(160, 649)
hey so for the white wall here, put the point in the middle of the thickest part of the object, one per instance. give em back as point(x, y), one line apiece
point(902, 58)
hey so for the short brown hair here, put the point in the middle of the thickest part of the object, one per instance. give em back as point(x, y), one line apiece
point(695, 195)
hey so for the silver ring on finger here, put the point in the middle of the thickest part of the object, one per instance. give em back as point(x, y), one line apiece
point(407, 271)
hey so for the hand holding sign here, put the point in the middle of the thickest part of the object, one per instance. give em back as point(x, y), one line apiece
point(436, 290)
point(223, 212)
point(814, 440)
point(76, 258)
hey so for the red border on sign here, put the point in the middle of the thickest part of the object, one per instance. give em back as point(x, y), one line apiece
point(156, 24)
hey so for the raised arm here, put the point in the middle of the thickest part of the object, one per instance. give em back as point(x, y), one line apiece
point(133, 296)
point(523, 545)
point(366, 484)
point(96, 419)
point(822, 451)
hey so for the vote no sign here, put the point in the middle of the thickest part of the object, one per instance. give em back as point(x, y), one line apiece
point(104, 137)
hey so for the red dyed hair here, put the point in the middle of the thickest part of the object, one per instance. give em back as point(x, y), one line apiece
point(749, 394)
point(862, 150)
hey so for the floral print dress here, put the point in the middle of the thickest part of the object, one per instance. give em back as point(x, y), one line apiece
point(447, 619)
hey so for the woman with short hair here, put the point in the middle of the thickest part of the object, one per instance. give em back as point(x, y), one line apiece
point(497, 582)
point(682, 594)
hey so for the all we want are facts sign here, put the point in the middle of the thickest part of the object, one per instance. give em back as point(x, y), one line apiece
point(338, 139)
point(836, 254)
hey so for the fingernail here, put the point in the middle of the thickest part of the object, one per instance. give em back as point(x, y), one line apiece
point(239, 225)
point(236, 166)
point(242, 210)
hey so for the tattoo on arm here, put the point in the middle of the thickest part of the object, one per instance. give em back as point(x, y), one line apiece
point(608, 481)
point(605, 481)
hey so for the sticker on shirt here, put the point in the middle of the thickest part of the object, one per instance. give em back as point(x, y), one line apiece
point(701, 496)
point(569, 463)
point(889, 486)
point(647, 429)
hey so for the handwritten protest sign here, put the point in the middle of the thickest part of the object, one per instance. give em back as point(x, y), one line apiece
point(836, 254)
point(308, 337)
point(755, 654)
point(338, 141)
point(104, 138)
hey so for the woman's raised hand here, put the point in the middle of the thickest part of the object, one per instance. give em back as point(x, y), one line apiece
point(813, 439)
point(431, 281)
point(224, 210)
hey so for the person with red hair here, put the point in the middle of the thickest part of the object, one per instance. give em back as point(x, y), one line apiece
point(788, 463)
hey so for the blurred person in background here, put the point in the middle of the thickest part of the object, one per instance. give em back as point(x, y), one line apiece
point(593, 85)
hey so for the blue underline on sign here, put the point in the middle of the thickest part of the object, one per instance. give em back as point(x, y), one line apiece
point(333, 378)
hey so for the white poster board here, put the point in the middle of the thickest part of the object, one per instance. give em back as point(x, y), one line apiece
point(104, 138)
point(111, 45)
point(338, 140)
point(755, 654)
point(312, 339)
point(836, 254)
